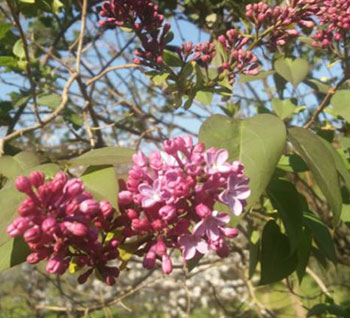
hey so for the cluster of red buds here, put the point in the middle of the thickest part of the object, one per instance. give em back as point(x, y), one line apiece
point(63, 224)
point(144, 18)
point(334, 16)
point(170, 197)
point(237, 60)
point(277, 19)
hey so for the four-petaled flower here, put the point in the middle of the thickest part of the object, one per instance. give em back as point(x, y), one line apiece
point(191, 244)
point(150, 194)
point(210, 226)
point(216, 161)
point(236, 193)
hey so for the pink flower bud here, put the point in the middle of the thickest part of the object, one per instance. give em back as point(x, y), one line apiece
point(202, 210)
point(132, 214)
point(160, 247)
point(170, 146)
point(57, 265)
point(49, 226)
point(37, 178)
point(149, 261)
point(167, 212)
point(23, 184)
point(27, 207)
point(106, 208)
point(89, 206)
point(76, 228)
point(229, 232)
point(167, 265)
point(124, 198)
point(73, 187)
point(18, 226)
point(37, 256)
point(32, 235)
point(157, 225)
point(140, 224)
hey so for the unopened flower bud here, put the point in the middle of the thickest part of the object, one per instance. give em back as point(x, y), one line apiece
point(37, 178)
point(23, 184)
point(124, 198)
point(89, 206)
point(167, 265)
point(18, 226)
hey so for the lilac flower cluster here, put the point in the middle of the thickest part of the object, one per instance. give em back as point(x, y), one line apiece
point(238, 60)
point(335, 17)
point(144, 18)
point(169, 198)
point(62, 223)
point(278, 19)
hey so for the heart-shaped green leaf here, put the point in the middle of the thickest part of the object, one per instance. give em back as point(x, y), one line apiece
point(283, 108)
point(258, 142)
point(293, 71)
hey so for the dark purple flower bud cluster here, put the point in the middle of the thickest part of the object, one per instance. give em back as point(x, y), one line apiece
point(205, 52)
point(144, 18)
point(237, 59)
point(63, 224)
point(169, 198)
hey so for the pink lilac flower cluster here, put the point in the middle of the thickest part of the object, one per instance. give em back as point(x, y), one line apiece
point(278, 19)
point(334, 16)
point(169, 199)
point(237, 60)
point(144, 18)
point(62, 223)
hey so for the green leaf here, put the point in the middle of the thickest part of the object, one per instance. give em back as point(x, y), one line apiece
point(285, 198)
point(56, 6)
point(339, 163)
point(102, 184)
point(276, 261)
point(254, 252)
point(249, 78)
point(258, 142)
point(292, 162)
point(8, 61)
point(11, 167)
point(341, 104)
point(321, 87)
point(28, 1)
point(171, 59)
point(104, 156)
point(321, 235)
point(293, 71)
point(303, 253)
point(204, 97)
point(4, 28)
point(13, 252)
point(321, 164)
point(283, 108)
point(52, 101)
point(18, 49)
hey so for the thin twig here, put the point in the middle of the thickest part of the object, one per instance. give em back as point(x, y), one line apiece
point(109, 69)
point(81, 37)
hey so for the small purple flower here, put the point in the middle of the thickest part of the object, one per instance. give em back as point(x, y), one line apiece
point(211, 225)
point(216, 161)
point(190, 244)
point(236, 193)
point(150, 194)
